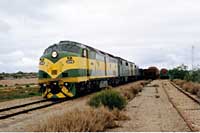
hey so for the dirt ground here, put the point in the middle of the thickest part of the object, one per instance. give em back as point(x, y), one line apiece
point(18, 81)
point(189, 108)
point(152, 112)
point(149, 111)
point(25, 122)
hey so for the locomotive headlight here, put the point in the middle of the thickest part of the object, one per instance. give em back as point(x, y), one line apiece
point(54, 54)
point(66, 84)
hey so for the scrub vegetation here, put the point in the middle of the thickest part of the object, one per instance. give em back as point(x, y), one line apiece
point(131, 91)
point(192, 87)
point(108, 98)
point(105, 111)
point(82, 120)
point(18, 75)
point(182, 72)
point(10, 93)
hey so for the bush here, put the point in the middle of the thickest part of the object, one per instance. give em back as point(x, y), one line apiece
point(198, 94)
point(109, 98)
point(130, 92)
point(19, 87)
point(188, 87)
point(27, 86)
point(1, 85)
point(84, 120)
point(179, 72)
point(32, 94)
point(191, 87)
point(179, 82)
point(196, 87)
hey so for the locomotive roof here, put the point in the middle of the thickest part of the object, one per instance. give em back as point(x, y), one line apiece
point(86, 46)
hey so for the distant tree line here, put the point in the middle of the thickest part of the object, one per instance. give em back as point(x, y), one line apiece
point(17, 75)
point(182, 72)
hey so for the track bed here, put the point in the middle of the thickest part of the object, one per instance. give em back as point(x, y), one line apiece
point(153, 111)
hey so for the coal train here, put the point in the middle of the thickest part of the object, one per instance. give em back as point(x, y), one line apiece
point(69, 68)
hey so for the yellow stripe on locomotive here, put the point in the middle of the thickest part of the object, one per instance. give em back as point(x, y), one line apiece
point(65, 67)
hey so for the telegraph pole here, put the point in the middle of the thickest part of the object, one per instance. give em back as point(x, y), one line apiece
point(192, 57)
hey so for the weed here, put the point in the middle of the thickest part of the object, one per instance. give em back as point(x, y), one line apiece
point(87, 120)
point(27, 86)
point(193, 88)
point(19, 92)
point(109, 98)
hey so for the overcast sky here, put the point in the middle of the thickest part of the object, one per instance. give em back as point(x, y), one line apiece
point(148, 32)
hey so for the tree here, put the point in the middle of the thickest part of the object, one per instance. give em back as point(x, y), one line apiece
point(179, 72)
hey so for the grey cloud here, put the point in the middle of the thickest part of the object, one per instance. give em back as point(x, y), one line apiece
point(4, 27)
point(146, 32)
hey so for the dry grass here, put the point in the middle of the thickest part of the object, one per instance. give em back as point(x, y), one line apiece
point(198, 94)
point(193, 88)
point(90, 119)
point(87, 120)
point(179, 82)
point(13, 82)
point(130, 92)
point(18, 92)
point(188, 86)
point(155, 85)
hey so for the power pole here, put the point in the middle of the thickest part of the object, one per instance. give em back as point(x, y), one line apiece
point(192, 57)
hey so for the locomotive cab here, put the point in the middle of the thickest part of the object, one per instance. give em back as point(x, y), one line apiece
point(59, 68)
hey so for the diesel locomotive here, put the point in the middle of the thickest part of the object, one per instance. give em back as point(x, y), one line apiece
point(164, 74)
point(69, 68)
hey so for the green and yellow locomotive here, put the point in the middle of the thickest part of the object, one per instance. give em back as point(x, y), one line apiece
point(69, 68)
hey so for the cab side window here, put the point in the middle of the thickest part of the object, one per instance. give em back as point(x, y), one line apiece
point(84, 53)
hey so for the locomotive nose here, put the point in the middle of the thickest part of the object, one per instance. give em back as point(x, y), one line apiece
point(55, 88)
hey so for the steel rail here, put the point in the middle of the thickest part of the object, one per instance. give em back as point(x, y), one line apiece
point(178, 111)
point(22, 105)
point(186, 93)
point(31, 109)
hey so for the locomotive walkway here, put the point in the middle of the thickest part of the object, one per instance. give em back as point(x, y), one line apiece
point(153, 110)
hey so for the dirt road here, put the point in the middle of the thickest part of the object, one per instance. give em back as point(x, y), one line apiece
point(152, 111)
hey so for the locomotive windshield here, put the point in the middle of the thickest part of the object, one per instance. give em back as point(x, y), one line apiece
point(63, 48)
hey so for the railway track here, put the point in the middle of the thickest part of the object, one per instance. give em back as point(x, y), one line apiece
point(179, 110)
point(186, 93)
point(25, 108)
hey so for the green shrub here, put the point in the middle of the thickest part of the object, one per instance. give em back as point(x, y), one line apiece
point(27, 86)
point(19, 87)
point(32, 94)
point(109, 98)
point(1, 85)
